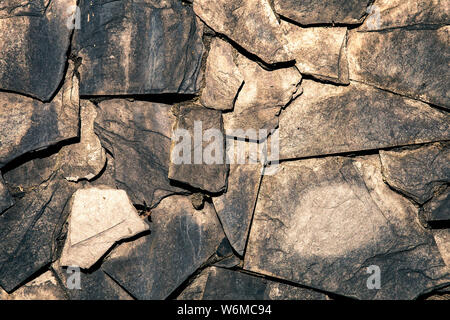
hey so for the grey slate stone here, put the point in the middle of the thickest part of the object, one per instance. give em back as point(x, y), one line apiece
point(414, 63)
point(329, 119)
point(35, 39)
point(138, 47)
point(182, 239)
point(438, 208)
point(6, 200)
point(338, 219)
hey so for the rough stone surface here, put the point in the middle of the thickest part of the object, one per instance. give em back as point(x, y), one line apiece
point(99, 218)
point(203, 164)
point(319, 52)
point(323, 11)
point(404, 62)
point(389, 14)
point(6, 200)
point(261, 98)
point(31, 230)
point(308, 235)
point(252, 24)
point(235, 207)
point(442, 238)
point(419, 172)
point(28, 125)
point(182, 239)
point(138, 47)
point(194, 291)
point(222, 77)
point(138, 134)
point(44, 287)
point(329, 119)
point(34, 42)
point(438, 208)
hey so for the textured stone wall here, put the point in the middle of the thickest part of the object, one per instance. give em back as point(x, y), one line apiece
point(224, 149)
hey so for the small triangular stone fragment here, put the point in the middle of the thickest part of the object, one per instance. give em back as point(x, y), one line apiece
point(417, 172)
point(99, 218)
point(403, 61)
point(307, 12)
point(182, 239)
point(330, 119)
point(252, 24)
point(34, 42)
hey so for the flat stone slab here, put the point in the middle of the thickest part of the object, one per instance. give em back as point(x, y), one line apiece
point(30, 232)
point(338, 220)
point(222, 77)
point(182, 239)
point(329, 119)
point(389, 14)
point(442, 237)
point(44, 287)
point(252, 24)
point(6, 200)
point(138, 47)
point(28, 125)
point(437, 210)
point(418, 173)
point(138, 134)
point(403, 61)
point(34, 45)
point(197, 156)
point(319, 52)
point(322, 11)
point(99, 218)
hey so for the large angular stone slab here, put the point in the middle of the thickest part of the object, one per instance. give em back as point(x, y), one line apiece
point(389, 14)
point(99, 217)
point(35, 39)
point(222, 77)
point(323, 11)
point(182, 239)
point(404, 62)
point(138, 134)
point(419, 172)
point(197, 156)
point(138, 47)
point(261, 98)
point(44, 287)
point(329, 119)
point(235, 207)
point(6, 200)
point(31, 230)
point(252, 24)
point(319, 52)
point(28, 125)
point(338, 220)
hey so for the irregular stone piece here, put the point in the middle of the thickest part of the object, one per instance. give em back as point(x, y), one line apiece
point(261, 98)
point(34, 42)
point(6, 201)
point(404, 62)
point(329, 119)
point(94, 285)
point(84, 160)
point(442, 238)
point(138, 134)
point(418, 172)
point(319, 52)
point(44, 287)
point(182, 239)
point(252, 24)
point(31, 230)
point(138, 47)
point(389, 14)
point(339, 219)
point(28, 125)
point(194, 291)
point(99, 218)
point(222, 77)
point(198, 158)
point(235, 207)
point(323, 11)
point(438, 208)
